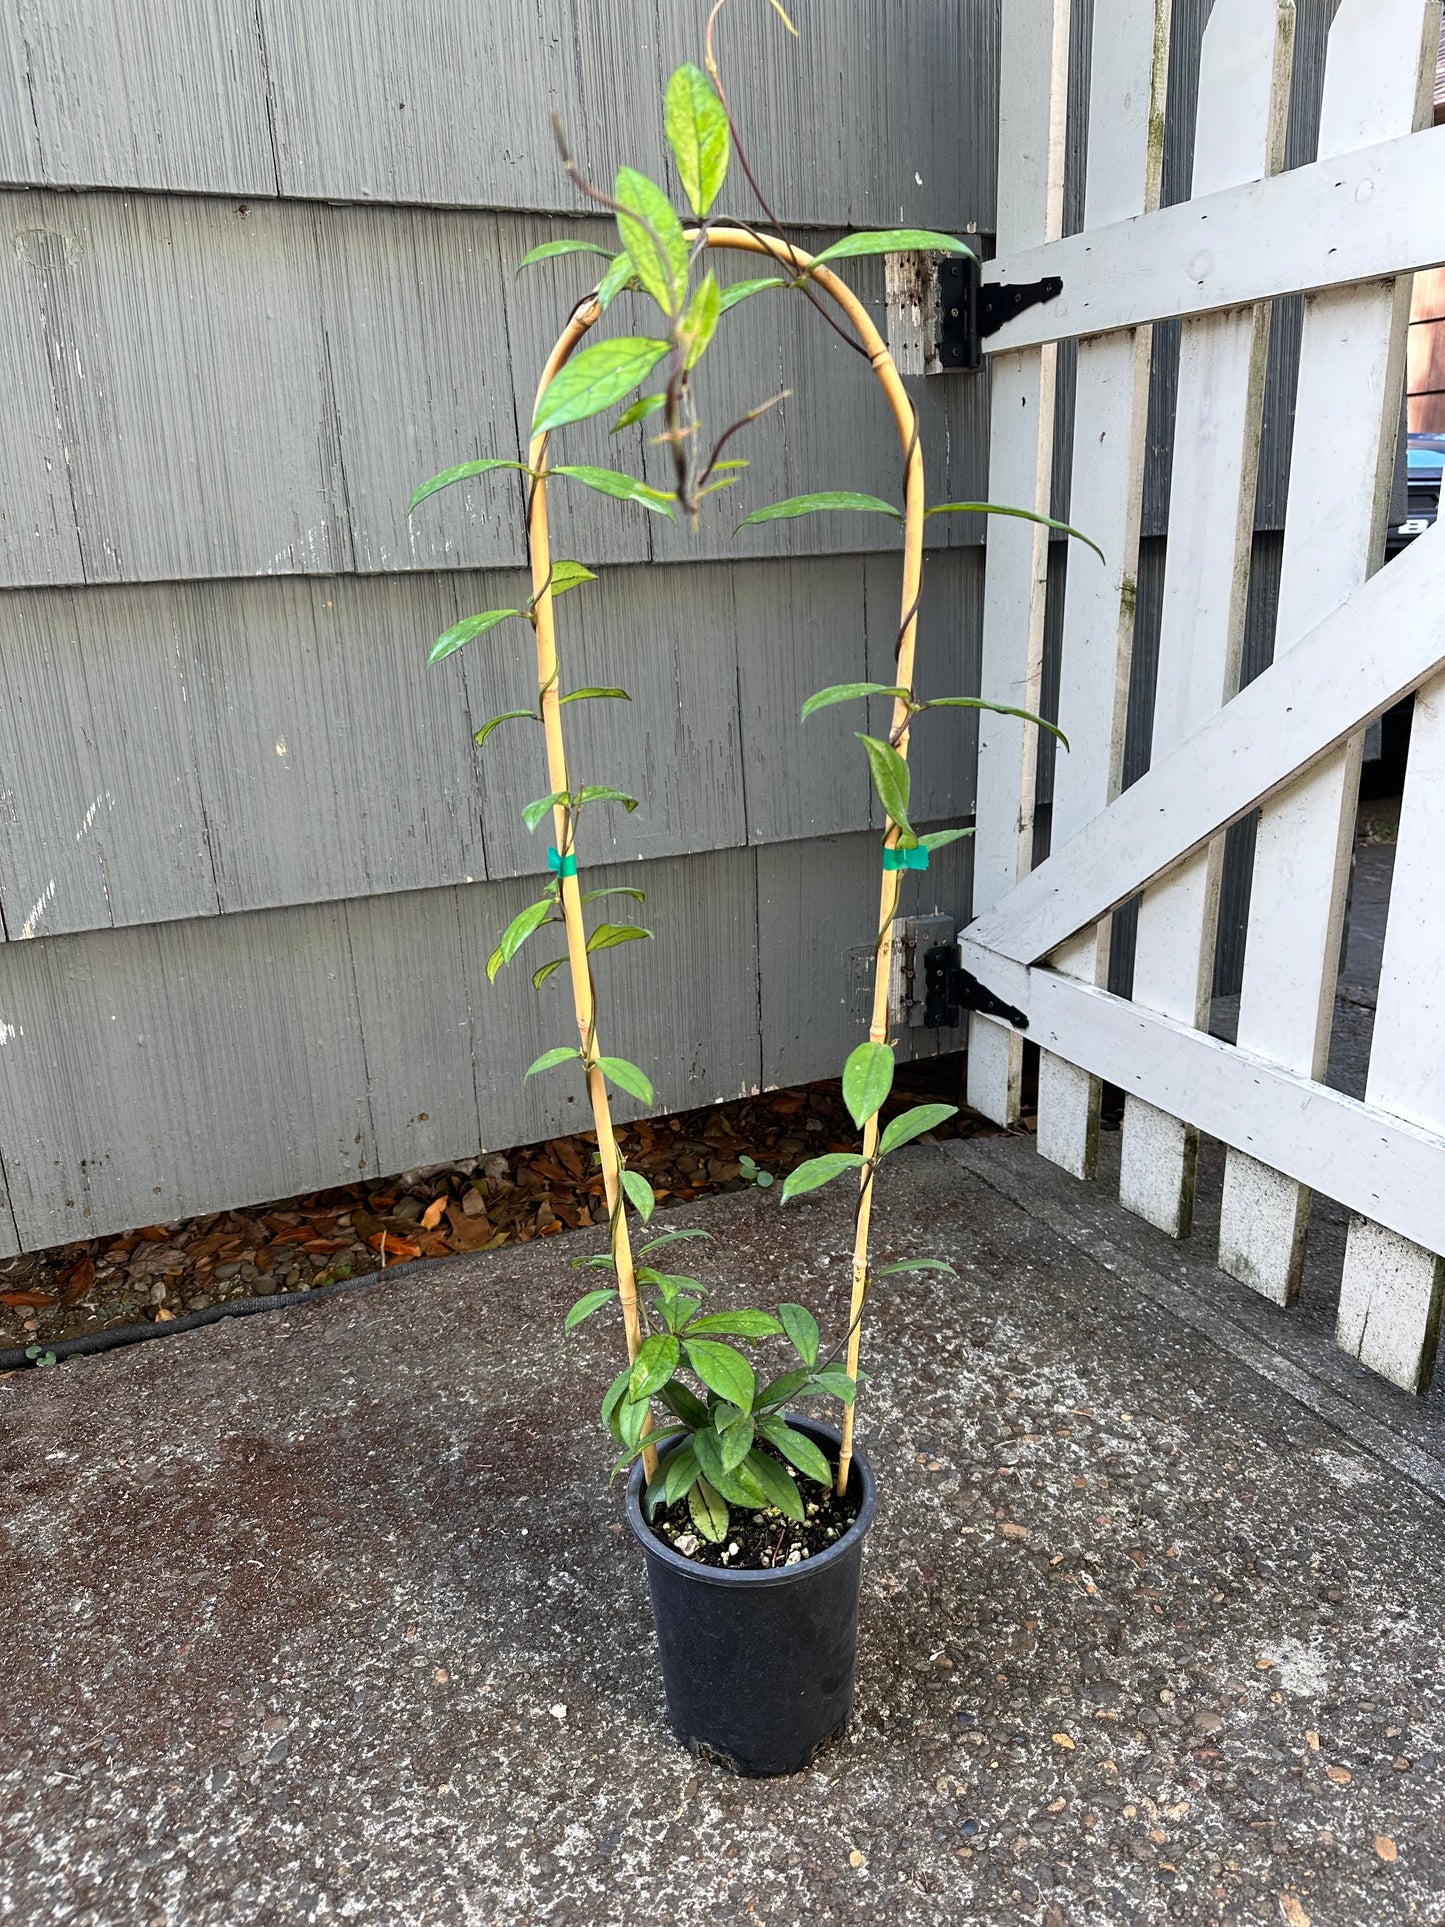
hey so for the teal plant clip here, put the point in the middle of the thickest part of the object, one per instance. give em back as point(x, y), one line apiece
point(566, 866)
point(900, 859)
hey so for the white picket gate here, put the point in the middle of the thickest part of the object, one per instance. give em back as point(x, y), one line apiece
point(1347, 232)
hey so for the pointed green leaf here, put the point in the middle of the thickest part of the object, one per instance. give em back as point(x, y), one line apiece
point(677, 1311)
point(835, 1384)
point(847, 692)
point(802, 1328)
point(614, 890)
point(685, 1404)
point(632, 1416)
point(654, 1365)
point(778, 1488)
point(671, 1238)
point(619, 276)
point(640, 1196)
point(867, 1080)
point(594, 379)
point(798, 1449)
point(599, 793)
point(697, 133)
point(680, 1471)
point(818, 504)
point(521, 927)
point(508, 716)
point(737, 1442)
point(723, 1369)
point(898, 240)
point(656, 1490)
point(540, 976)
point(653, 238)
point(627, 1077)
point(818, 1171)
point(534, 812)
point(911, 1124)
point(622, 488)
point(607, 936)
point(461, 473)
point(915, 1264)
point(567, 575)
point(616, 1392)
point(638, 412)
point(1024, 515)
point(939, 839)
point(549, 249)
point(585, 1306)
point(890, 779)
point(736, 1324)
point(781, 1389)
point(591, 695)
point(550, 1059)
point(995, 709)
point(744, 290)
point(700, 322)
point(463, 631)
point(709, 1510)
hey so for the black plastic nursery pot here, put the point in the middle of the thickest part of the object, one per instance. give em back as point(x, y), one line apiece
point(758, 1666)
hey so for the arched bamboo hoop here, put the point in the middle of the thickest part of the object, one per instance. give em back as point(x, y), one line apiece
point(583, 317)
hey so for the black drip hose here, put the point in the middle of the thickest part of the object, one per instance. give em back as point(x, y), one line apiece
point(18, 1357)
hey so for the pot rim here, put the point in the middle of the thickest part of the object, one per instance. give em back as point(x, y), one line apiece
point(655, 1548)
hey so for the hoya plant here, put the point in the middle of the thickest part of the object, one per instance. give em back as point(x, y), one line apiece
point(731, 1445)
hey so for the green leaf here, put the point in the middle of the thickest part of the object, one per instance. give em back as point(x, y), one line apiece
point(643, 1442)
point(939, 839)
point(915, 1264)
point(616, 1392)
point(1024, 515)
point(724, 1415)
point(709, 1510)
point(867, 1080)
point(520, 928)
point(461, 473)
point(737, 1442)
point(680, 1471)
point(697, 133)
point(639, 1193)
point(818, 1171)
point(595, 378)
point(835, 1384)
point(847, 692)
point(897, 240)
point(607, 936)
point(744, 290)
point(632, 1416)
point(912, 1124)
point(592, 694)
point(549, 249)
point(540, 976)
point(995, 709)
point(656, 1491)
point(890, 779)
point(599, 793)
point(463, 631)
point(627, 1077)
point(622, 488)
point(802, 1328)
point(508, 716)
point(670, 1238)
point(653, 238)
point(684, 1404)
point(700, 322)
point(782, 1388)
point(620, 275)
point(798, 1449)
point(585, 1306)
point(737, 1324)
point(778, 1488)
point(614, 890)
point(817, 504)
point(723, 1369)
point(550, 1059)
point(534, 812)
point(638, 412)
point(567, 575)
point(677, 1311)
point(654, 1365)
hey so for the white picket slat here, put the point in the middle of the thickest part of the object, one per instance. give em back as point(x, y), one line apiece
point(1033, 93)
point(1128, 81)
point(1382, 642)
point(1385, 1167)
point(1381, 55)
point(1243, 105)
point(1390, 1297)
point(1375, 212)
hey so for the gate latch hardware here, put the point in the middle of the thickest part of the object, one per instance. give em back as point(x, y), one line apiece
point(969, 312)
point(949, 990)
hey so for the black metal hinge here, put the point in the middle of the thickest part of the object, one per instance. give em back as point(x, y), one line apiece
point(969, 312)
point(949, 990)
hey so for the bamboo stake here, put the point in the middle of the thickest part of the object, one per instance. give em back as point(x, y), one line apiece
point(881, 362)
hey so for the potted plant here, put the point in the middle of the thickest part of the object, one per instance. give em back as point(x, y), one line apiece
point(751, 1519)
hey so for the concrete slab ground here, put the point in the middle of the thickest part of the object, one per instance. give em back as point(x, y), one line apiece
point(329, 1616)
